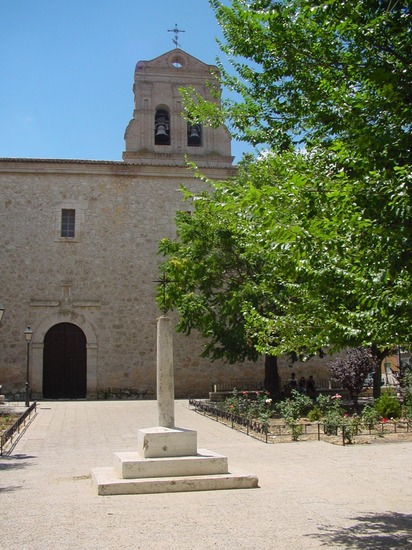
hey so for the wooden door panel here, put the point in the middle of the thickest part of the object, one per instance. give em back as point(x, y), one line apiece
point(64, 362)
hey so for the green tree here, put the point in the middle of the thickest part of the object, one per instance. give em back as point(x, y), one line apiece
point(335, 77)
point(282, 260)
point(348, 272)
point(212, 271)
point(320, 72)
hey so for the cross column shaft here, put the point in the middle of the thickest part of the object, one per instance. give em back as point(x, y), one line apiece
point(165, 375)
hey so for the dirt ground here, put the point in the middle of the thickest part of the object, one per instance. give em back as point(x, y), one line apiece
point(7, 420)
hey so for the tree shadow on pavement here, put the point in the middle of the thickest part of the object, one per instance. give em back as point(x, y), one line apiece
point(371, 532)
point(15, 462)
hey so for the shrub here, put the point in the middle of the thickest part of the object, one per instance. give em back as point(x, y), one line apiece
point(325, 402)
point(315, 414)
point(406, 389)
point(333, 416)
point(387, 406)
point(292, 409)
point(261, 407)
point(351, 425)
point(370, 416)
point(352, 371)
point(240, 403)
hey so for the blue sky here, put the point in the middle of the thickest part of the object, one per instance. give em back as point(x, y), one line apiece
point(67, 69)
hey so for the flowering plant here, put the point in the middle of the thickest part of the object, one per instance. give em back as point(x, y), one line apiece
point(292, 409)
point(241, 403)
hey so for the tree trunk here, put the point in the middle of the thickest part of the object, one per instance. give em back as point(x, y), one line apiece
point(378, 357)
point(272, 378)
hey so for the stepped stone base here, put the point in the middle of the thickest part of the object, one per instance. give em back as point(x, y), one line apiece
point(131, 465)
point(107, 484)
point(168, 461)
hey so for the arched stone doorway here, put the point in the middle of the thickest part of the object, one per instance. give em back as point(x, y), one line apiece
point(65, 362)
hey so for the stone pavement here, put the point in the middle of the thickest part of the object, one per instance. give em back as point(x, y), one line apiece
point(310, 495)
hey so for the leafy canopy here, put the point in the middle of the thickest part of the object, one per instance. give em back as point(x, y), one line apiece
point(284, 259)
point(319, 72)
point(310, 249)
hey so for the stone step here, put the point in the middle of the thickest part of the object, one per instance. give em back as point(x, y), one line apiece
point(130, 465)
point(108, 484)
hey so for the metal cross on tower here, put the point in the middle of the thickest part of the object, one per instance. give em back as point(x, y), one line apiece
point(175, 40)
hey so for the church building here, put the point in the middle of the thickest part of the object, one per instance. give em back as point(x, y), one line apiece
point(79, 260)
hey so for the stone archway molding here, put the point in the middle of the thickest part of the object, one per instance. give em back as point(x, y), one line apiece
point(37, 345)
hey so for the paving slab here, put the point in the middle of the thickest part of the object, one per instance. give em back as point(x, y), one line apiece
point(310, 495)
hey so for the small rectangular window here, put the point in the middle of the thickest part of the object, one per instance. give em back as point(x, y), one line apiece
point(68, 222)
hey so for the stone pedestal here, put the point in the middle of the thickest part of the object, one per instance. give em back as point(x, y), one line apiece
point(167, 459)
point(204, 471)
point(163, 442)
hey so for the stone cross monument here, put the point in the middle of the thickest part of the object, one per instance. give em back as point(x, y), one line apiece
point(167, 457)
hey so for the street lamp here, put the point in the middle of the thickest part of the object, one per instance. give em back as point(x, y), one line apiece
point(28, 334)
point(1, 312)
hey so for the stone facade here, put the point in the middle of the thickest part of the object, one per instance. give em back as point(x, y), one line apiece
point(102, 279)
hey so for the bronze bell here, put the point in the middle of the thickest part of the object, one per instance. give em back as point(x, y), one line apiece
point(162, 135)
point(161, 130)
point(194, 135)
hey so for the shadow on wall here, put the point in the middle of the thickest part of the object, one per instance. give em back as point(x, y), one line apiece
point(372, 532)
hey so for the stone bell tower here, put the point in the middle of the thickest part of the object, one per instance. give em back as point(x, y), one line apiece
point(158, 133)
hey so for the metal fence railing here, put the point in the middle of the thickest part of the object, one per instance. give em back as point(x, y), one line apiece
point(319, 431)
point(15, 430)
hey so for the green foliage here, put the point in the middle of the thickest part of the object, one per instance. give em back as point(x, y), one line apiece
point(316, 72)
point(263, 407)
point(351, 371)
point(323, 404)
point(333, 417)
point(308, 249)
point(329, 411)
point(259, 407)
point(315, 414)
point(387, 406)
point(406, 386)
point(208, 272)
point(282, 259)
point(370, 416)
point(291, 411)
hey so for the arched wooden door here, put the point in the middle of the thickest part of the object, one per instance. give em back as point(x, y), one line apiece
point(64, 362)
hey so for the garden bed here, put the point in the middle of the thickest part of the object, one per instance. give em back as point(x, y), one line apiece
point(7, 419)
point(13, 424)
point(275, 429)
point(383, 432)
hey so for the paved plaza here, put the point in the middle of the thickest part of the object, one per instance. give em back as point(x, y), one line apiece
point(310, 495)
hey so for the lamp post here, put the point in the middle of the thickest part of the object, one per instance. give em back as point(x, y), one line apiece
point(1, 312)
point(28, 334)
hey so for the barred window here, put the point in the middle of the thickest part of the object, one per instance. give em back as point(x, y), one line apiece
point(68, 222)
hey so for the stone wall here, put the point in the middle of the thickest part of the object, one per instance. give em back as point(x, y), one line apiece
point(102, 281)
